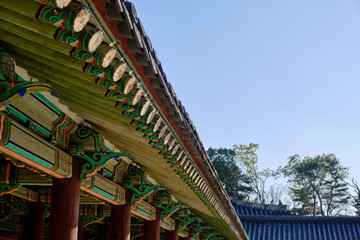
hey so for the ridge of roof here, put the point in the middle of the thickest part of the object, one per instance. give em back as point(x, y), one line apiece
point(296, 218)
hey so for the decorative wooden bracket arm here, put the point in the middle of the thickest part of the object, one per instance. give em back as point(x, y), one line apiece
point(19, 206)
point(88, 220)
point(15, 90)
point(184, 221)
point(8, 188)
point(167, 209)
point(8, 177)
point(209, 233)
point(143, 191)
point(13, 86)
point(94, 160)
point(197, 227)
point(89, 145)
point(134, 176)
point(214, 235)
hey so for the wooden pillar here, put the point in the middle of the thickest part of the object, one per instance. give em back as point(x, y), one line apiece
point(127, 215)
point(152, 228)
point(64, 215)
point(120, 220)
point(189, 236)
point(115, 222)
point(36, 221)
point(105, 232)
point(172, 235)
point(80, 228)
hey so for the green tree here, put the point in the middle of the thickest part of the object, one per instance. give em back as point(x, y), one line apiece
point(317, 184)
point(335, 189)
point(247, 157)
point(231, 176)
point(356, 196)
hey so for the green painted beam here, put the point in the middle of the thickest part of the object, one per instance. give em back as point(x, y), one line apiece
point(58, 60)
point(30, 23)
point(45, 41)
point(28, 8)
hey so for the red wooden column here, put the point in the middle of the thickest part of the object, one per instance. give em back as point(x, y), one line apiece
point(120, 220)
point(152, 228)
point(64, 215)
point(36, 221)
point(172, 235)
point(189, 236)
point(105, 232)
point(80, 228)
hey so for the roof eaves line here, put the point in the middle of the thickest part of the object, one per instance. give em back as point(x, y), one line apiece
point(111, 37)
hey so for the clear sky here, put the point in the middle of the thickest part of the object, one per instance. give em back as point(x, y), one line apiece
point(281, 73)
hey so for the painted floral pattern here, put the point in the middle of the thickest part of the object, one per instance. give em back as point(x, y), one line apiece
point(129, 86)
point(151, 116)
point(81, 19)
point(95, 41)
point(108, 58)
point(157, 125)
point(62, 3)
point(137, 97)
point(119, 72)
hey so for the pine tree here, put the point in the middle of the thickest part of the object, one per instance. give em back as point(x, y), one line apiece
point(231, 176)
point(322, 178)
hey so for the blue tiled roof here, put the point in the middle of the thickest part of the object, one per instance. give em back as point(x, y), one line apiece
point(302, 228)
point(244, 210)
point(276, 222)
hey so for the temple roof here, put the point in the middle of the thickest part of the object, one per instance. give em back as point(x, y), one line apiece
point(244, 208)
point(267, 221)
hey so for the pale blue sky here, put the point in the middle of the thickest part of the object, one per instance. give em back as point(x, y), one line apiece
point(281, 73)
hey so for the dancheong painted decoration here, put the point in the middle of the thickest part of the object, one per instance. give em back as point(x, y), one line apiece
point(94, 143)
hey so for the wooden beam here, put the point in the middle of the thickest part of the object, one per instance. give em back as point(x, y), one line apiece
point(69, 64)
point(28, 8)
point(86, 98)
point(6, 235)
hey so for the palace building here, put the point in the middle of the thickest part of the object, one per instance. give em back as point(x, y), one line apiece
point(94, 143)
point(269, 221)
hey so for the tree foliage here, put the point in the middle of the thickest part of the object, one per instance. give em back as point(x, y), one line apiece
point(317, 184)
point(231, 176)
point(248, 158)
point(356, 196)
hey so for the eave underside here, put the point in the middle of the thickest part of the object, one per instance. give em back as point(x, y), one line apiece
point(28, 42)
